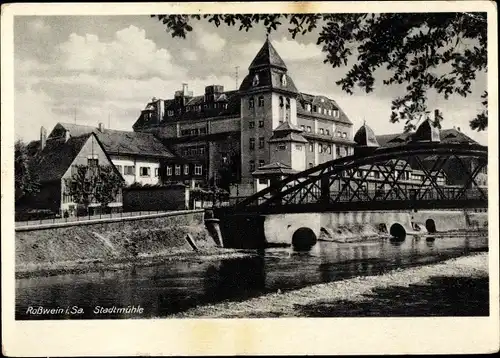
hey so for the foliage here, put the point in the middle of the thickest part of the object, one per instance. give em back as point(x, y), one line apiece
point(442, 52)
point(26, 181)
point(99, 184)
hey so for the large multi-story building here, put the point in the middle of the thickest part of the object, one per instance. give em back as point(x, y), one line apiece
point(233, 133)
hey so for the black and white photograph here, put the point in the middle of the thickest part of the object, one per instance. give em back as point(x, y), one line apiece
point(204, 162)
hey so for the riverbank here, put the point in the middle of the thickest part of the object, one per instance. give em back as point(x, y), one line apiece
point(456, 287)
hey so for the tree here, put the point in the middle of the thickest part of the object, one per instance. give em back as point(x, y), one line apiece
point(26, 181)
point(422, 51)
point(94, 185)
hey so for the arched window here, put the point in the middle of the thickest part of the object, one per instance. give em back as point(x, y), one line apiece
point(251, 102)
point(261, 101)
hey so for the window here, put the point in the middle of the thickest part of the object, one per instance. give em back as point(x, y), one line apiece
point(177, 169)
point(198, 169)
point(261, 101)
point(298, 146)
point(263, 181)
point(281, 146)
point(376, 175)
point(288, 103)
point(336, 113)
point(329, 149)
point(320, 148)
point(261, 124)
point(186, 169)
point(169, 170)
point(118, 167)
point(252, 165)
point(339, 134)
point(170, 113)
point(145, 171)
point(281, 101)
point(129, 170)
point(255, 81)
point(308, 107)
point(337, 151)
point(327, 132)
point(261, 163)
point(251, 103)
point(329, 112)
point(311, 147)
point(303, 127)
point(185, 151)
point(251, 124)
point(203, 131)
point(283, 80)
point(157, 172)
point(309, 129)
point(315, 109)
point(321, 131)
point(344, 135)
point(93, 162)
point(252, 143)
point(261, 142)
point(311, 165)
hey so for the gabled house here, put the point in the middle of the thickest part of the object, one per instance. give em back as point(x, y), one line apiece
point(53, 161)
point(139, 157)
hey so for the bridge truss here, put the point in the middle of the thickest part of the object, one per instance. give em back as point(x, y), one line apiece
point(412, 176)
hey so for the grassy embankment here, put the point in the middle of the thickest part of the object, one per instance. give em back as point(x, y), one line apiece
point(110, 246)
point(455, 287)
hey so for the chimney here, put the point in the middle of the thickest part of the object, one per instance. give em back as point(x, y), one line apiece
point(67, 135)
point(43, 138)
point(101, 127)
point(458, 128)
point(184, 89)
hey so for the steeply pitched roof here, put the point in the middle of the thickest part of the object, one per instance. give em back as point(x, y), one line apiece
point(328, 103)
point(287, 132)
point(274, 168)
point(267, 56)
point(269, 78)
point(124, 142)
point(56, 157)
point(287, 126)
point(446, 135)
point(366, 137)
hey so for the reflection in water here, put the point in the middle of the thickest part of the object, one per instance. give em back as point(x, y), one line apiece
point(176, 286)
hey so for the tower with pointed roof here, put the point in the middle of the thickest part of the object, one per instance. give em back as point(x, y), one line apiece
point(287, 146)
point(268, 98)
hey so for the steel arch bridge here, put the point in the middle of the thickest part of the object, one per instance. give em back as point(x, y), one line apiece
point(410, 176)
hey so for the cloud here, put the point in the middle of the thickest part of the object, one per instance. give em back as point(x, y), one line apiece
point(38, 26)
point(210, 42)
point(129, 54)
point(189, 55)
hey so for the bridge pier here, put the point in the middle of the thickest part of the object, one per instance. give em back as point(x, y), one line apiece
point(251, 230)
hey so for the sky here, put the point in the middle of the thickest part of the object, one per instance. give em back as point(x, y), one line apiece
point(106, 68)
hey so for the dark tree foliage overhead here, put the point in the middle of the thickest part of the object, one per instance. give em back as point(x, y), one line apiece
point(421, 51)
point(25, 180)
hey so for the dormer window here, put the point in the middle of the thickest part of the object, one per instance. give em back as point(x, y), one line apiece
point(336, 113)
point(255, 81)
point(308, 107)
point(283, 80)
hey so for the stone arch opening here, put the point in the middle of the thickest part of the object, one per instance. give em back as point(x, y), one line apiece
point(398, 232)
point(303, 239)
point(430, 225)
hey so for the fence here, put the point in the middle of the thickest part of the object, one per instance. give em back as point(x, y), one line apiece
point(55, 220)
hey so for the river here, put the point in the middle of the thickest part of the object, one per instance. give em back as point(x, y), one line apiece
point(177, 286)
